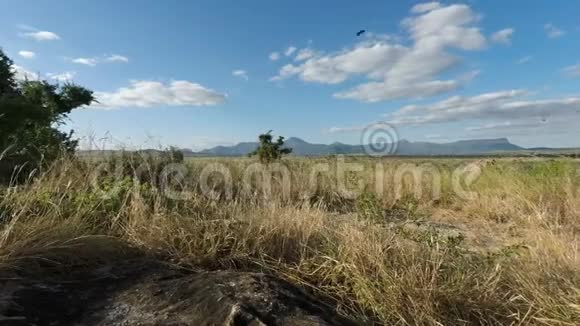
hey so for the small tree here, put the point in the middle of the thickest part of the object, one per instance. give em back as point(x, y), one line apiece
point(32, 114)
point(269, 151)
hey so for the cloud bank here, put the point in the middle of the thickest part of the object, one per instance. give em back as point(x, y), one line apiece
point(397, 69)
point(42, 36)
point(145, 94)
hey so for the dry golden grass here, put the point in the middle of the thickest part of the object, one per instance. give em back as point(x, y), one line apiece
point(517, 262)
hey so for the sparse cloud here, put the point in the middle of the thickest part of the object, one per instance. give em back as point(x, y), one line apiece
point(86, 61)
point(304, 54)
point(62, 77)
point(425, 7)
point(524, 60)
point(42, 36)
point(506, 112)
point(93, 61)
point(116, 58)
point(504, 125)
point(396, 69)
point(146, 93)
point(22, 73)
point(274, 56)
point(553, 31)
point(468, 76)
point(241, 73)
point(503, 36)
point(336, 130)
point(289, 51)
point(499, 106)
point(27, 54)
point(572, 71)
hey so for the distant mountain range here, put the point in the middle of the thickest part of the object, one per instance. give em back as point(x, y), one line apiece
point(403, 148)
point(475, 147)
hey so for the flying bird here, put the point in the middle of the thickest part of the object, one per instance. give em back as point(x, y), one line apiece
point(361, 32)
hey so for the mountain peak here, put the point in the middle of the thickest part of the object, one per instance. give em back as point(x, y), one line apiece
point(295, 140)
point(487, 141)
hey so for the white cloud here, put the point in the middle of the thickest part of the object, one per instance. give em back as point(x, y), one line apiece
point(145, 93)
point(22, 73)
point(397, 70)
point(62, 77)
point(503, 36)
point(425, 7)
point(553, 31)
point(572, 71)
point(525, 59)
point(304, 54)
point(93, 61)
point(289, 51)
point(336, 68)
point(86, 61)
point(27, 54)
point(450, 26)
point(42, 36)
point(241, 73)
point(117, 58)
point(499, 106)
point(336, 130)
point(504, 125)
point(274, 56)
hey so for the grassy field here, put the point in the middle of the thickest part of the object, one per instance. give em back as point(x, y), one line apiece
point(392, 241)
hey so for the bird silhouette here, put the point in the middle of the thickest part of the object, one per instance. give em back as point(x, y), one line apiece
point(361, 32)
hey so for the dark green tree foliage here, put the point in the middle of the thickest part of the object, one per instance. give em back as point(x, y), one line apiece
point(7, 78)
point(269, 151)
point(31, 113)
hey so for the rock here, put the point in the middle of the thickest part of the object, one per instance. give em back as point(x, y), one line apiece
point(160, 295)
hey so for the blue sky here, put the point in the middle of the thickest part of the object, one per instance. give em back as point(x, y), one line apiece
point(200, 73)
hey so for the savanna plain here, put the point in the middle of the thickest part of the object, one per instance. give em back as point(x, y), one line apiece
point(391, 241)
